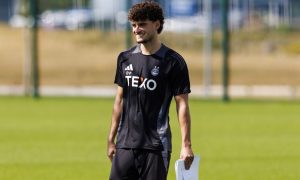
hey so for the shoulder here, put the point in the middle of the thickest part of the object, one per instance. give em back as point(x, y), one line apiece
point(126, 54)
point(175, 58)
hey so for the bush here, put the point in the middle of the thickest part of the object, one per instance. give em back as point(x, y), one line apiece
point(292, 48)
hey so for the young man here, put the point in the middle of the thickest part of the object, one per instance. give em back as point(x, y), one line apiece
point(148, 76)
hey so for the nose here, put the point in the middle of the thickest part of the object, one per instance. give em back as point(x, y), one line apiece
point(137, 29)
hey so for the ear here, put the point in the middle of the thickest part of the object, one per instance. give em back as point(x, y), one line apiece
point(157, 24)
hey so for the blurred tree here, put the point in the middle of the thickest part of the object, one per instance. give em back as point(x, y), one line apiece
point(23, 8)
point(52, 4)
point(63, 4)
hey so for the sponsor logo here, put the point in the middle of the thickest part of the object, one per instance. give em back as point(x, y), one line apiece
point(140, 82)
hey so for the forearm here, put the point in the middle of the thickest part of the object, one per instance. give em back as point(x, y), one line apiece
point(185, 125)
point(117, 110)
point(116, 115)
point(185, 128)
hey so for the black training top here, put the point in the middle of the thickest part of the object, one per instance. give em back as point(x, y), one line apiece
point(149, 82)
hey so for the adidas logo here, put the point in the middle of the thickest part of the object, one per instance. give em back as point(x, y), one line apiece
point(129, 68)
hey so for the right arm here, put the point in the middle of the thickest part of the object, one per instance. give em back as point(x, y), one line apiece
point(116, 116)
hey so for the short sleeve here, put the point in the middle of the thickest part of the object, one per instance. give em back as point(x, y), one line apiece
point(180, 81)
point(118, 76)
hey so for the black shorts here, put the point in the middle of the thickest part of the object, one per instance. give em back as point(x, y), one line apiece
point(139, 164)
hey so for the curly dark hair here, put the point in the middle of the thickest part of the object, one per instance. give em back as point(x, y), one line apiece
point(148, 10)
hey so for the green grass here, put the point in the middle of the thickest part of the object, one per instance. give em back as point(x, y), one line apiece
point(65, 139)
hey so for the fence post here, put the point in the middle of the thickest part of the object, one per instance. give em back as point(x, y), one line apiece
point(225, 47)
point(33, 27)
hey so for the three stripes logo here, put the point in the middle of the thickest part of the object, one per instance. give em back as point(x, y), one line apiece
point(129, 69)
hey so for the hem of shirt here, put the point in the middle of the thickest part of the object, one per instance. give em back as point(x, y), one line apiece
point(119, 84)
point(183, 92)
point(148, 148)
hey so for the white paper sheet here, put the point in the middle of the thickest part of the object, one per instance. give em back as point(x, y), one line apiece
point(191, 174)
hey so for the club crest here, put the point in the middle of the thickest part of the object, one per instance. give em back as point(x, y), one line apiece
point(155, 71)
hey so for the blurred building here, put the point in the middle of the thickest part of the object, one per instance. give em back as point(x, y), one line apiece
point(272, 13)
point(113, 14)
point(6, 10)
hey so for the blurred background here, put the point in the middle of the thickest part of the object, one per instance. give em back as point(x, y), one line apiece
point(69, 47)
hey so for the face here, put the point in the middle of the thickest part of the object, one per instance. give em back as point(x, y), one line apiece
point(145, 31)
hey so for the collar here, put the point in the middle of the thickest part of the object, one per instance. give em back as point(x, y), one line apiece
point(160, 53)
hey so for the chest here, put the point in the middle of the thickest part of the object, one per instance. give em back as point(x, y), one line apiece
point(145, 72)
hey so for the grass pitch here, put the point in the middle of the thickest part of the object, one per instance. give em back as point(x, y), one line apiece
point(65, 139)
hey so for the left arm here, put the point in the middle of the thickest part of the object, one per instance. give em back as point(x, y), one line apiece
point(184, 118)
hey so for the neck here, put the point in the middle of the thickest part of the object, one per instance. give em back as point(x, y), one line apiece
point(150, 47)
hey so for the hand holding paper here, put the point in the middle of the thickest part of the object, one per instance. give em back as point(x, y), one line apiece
point(191, 174)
